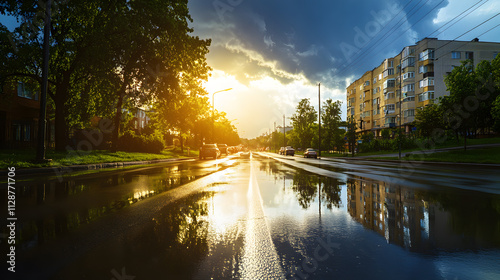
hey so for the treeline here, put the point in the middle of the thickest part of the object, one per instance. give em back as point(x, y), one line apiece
point(305, 128)
point(108, 58)
point(471, 109)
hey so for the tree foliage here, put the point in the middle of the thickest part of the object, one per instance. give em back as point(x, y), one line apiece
point(303, 119)
point(331, 118)
point(110, 57)
point(428, 119)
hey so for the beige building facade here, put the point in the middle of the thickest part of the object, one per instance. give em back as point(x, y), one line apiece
point(390, 95)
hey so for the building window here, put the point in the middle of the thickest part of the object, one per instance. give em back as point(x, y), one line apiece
point(389, 83)
point(390, 108)
point(410, 113)
point(424, 69)
point(455, 55)
point(21, 132)
point(426, 82)
point(427, 54)
point(23, 90)
point(379, 77)
point(428, 95)
point(408, 62)
point(409, 99)
point(408, 75)
point(388, 72)
point(408, 87)
point(374, 80)
point(469, 55)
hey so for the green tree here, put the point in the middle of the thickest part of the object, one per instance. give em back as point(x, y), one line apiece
point(303, 119)
point(428, 119)
point(331, 119)
point(461, 83)
point(495, 112)
point(351, 136)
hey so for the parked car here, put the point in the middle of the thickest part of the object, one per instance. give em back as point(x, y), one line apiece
point(289, 151)
point(223, 148)
point(209, 150)
point(310, 153)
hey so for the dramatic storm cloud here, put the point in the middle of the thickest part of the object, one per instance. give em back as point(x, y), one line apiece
point(274, 53)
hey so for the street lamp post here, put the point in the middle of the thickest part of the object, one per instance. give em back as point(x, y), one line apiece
point(400, 116)
point(213, 111)
point(319, 119)
point(40, 153)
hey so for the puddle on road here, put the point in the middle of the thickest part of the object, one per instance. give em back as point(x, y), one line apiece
point(443, 232)
point(322, 228)
point(50, 209)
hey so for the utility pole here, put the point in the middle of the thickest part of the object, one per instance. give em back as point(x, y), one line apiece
point(400, 93)
point(40, 152)
point(319, 120)
point(284, 137)
point(274, 140)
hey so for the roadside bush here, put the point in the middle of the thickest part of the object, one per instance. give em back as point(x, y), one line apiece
point(129, 142)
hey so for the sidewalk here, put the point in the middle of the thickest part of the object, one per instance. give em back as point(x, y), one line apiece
point(94, 166)
point(431, 151)
point(378, 158)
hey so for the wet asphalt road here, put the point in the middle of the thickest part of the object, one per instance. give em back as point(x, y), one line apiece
point(261, 218)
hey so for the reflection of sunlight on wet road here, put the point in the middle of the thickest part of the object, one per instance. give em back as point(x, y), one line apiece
point(260, 259)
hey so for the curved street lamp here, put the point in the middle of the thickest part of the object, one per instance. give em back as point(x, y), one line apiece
point(213, 111)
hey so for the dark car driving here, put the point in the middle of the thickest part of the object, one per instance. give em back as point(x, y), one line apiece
point(209, 150)
point(310, 153)
point(223, 148)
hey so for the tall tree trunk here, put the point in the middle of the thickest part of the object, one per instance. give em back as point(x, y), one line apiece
point(118, 117)
point(465, 139)
point(61, 129)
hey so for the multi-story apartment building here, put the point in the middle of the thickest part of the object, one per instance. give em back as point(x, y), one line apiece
point(391, 94)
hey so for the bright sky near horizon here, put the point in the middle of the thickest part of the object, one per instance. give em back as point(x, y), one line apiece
point(274, 53)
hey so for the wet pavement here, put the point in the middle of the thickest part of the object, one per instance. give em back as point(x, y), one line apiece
point(259, 218)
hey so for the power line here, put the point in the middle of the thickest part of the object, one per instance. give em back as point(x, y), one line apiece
point(459, 19)
point(468, 41)
point(470, 31)
point(384, 35)
point(409, 27)
point(448, 23)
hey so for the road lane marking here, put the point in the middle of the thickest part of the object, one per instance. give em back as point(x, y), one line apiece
point(260, 259)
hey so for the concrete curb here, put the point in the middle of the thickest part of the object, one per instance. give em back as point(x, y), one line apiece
point(94, 166)
point(415, 162)
point(418, 162)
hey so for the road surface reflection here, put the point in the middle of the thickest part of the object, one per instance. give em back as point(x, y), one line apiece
point(255, 218)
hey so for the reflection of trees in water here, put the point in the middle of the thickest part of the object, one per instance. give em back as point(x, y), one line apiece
point(305, 186)
point(270, 167)
point(57, 224)
point(330, 192)
point(179, 235)
point(169, 245)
